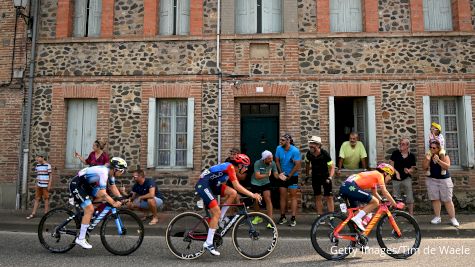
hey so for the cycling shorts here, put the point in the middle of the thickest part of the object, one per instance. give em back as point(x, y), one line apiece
point(318, 183)
point(291, 183)
point(80, 191)
point(354, 194)
point(208, 192)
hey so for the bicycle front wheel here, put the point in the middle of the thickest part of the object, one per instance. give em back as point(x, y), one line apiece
point(57, 230)
point(255, 236)
point(185, 235)
point(122, 233)
point(324, 240)
point(403, 246)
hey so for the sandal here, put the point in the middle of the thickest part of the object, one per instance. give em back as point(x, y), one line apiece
point(31, 216)
point(153, 222)
point(145, 218)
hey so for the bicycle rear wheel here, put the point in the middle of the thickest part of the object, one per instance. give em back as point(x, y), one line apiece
point(324, 240)
point(131, 232)
point(185, 235)
point(57, 230)
point(399, 247)
point(255, 241)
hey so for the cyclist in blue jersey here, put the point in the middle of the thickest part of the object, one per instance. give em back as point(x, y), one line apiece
point(90, 184)
point(213, 182)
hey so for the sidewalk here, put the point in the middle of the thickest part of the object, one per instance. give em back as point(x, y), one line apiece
point(14, 220)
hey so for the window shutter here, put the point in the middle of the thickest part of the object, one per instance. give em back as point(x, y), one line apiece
point(246, 16)
point(437, 15)
point(183, 20)
point(80, 9)
point(371, 130)
point(151, 139)
point(190, 132)
point(271, 16)
point(74, 133)
point(89, 124)
point(337, 18)
point(427, 119)
point(166, 17)
point(467, 153)
point(94, 20)
point(354, 24)
point(331, 126)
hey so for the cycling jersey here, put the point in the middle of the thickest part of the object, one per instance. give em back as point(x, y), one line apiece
point(213, 182)
point(88, 182)
point(368, 180)
point(354, 186)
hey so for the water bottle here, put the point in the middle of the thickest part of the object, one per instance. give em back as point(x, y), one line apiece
point(367, 218)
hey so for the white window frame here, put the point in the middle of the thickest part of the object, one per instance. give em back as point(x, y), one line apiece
point(174, 19)
point(247, 17)
point(87, 18)
point(343, 15)
point(152, 148)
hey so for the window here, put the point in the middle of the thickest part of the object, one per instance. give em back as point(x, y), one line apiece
point(345, 16)
point(170, 133)
point(81, 131)
point(87, 18)
point(258, 16)
point(174, 17)
point(437, 15)
point(454, 114)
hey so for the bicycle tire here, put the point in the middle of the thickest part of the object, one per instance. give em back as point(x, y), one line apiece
point(179, 242)
point(404, 246)
point(54, 239)
point(132, 233)
point(322, 232)
point(255, 245)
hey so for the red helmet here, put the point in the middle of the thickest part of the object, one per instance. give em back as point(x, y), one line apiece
point(242, 159)
point(387, 168)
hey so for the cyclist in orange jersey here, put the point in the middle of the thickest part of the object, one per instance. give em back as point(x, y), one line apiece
point(354, 186)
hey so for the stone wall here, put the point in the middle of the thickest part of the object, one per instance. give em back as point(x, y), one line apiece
point(209, 130)
point(307, 14)
point(394, 16)
point(387, 56)
point(47, 24)
point(473, 12)
point(128, 17)
point(309, 110)
point(41, 121)
point(210, 16)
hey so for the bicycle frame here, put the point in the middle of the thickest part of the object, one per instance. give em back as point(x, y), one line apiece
point(96, 219)
point(382, 209)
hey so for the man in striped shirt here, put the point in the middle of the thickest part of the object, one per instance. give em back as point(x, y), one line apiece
point(43, 183)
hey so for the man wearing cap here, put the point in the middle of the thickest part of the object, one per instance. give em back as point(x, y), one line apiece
point(352, 152)
point(323, 171)
point(260, 183)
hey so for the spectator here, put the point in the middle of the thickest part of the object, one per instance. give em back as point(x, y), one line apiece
point(43, 183)
point(260, 183)
point(145, 196)
point(436, 134)
point(352, 152)
point(97, 157)
point(439, 187)
point(323, 171)
point(405, 164)
point(288, 161)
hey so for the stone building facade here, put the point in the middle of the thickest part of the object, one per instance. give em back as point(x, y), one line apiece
point(307, 70)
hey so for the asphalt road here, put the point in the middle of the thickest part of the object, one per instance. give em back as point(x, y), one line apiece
point(24, 249)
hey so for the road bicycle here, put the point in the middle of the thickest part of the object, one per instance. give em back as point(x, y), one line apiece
point(121, 232)
point(334, 236)
point(254, 234)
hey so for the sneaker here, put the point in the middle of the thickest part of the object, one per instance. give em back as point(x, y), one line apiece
point(282, 220)
point(292, 223)
point(83, 243)
point(436, 220)
point(270, 226)
point(454, 222)
point(211, 249)
point(257, 220)
point(358, 223)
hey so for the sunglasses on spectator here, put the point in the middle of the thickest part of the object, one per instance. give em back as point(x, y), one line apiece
point(433, 147)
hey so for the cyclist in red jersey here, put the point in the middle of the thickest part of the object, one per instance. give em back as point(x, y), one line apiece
point(354, 185)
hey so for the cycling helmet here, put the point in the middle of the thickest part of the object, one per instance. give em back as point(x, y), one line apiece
point(118, 164)
point(387, 168)
point(242, 159)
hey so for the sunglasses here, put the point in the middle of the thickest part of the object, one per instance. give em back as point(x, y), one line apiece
point(433, 147)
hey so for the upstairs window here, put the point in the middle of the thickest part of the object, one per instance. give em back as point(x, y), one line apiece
point(258, 16)
point(87, 18)
point(345, 16)
point(437, 15)
point(174, 17)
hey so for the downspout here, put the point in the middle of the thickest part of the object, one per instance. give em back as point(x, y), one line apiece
point(220, 76)
point(25, 141)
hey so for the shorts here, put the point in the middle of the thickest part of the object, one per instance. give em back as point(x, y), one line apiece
point(354, 194)
point(317, 184)
point(81, 192)
point(406, 185)
point(207, 192)
point(143, 204)
point(41, 192)
point(440, 189)
point(291, 183)
point(260, 188)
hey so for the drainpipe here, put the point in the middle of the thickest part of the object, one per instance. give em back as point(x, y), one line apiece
point(25, 141)
point(220, 76)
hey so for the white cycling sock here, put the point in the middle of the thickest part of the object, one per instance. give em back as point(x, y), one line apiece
point(209, 238)
point(223, 212)
point(82, 233)
point(360, 214)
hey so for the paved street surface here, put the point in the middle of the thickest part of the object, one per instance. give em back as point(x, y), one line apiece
point(24, 249)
